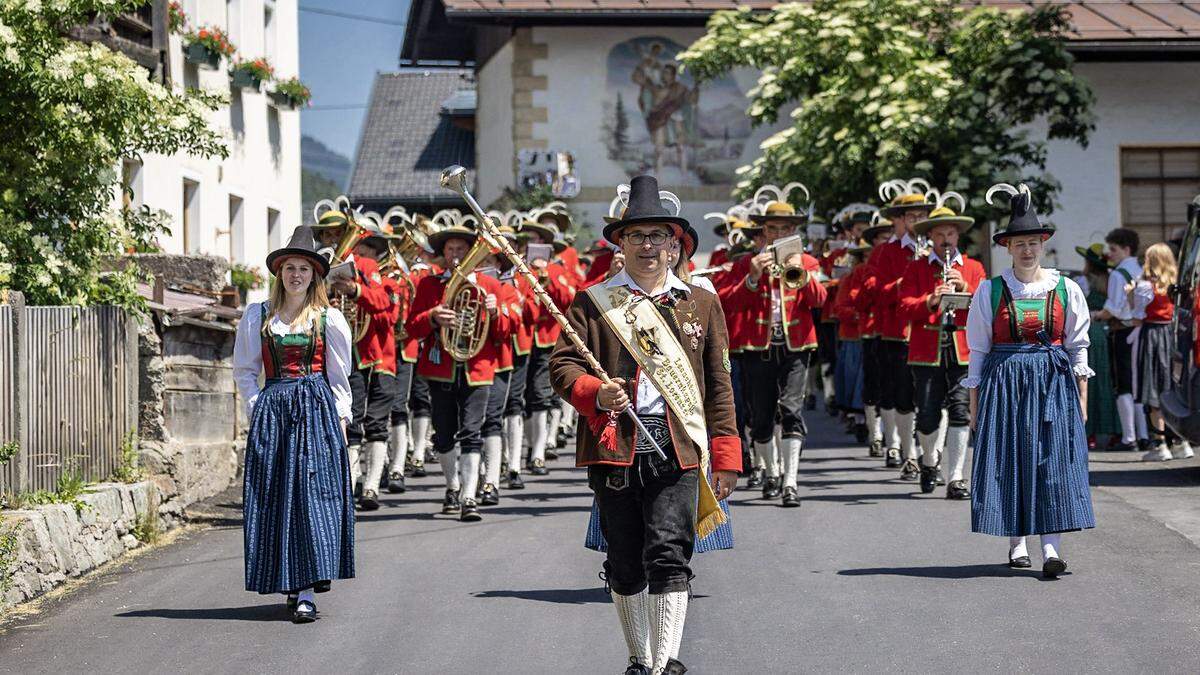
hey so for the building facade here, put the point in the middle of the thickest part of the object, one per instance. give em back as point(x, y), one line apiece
point(242, 207)
point(565, 78)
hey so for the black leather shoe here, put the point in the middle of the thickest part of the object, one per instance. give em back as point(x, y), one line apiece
point(831, 407)
point(451, 504)
point(674, 668)
point(790, 498)
point(305, 612)
point(756, 479)
point(551, 454)
point(636, 668)
point(928, 478)
point(395, 483)
point(490, 496)
point(514, 481)
point(470, 512)
point(323, 586)
point(538, 468)
point(910, 471)
point(1145, 445)
point(892, 459)
point(860, 433)
point(772, 487)
point(1123, 447)
point(1020, 562)
point(1052, 567)
point(369, 501)
point(418, 470)
point(875, 449)
point(810, 403)
point(958, 490)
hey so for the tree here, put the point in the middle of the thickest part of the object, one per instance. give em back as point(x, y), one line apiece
point(620, 127)
point(70, 112)
point(900, 88)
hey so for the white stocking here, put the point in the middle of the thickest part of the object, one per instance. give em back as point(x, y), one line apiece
point(633, 611)
point(770, 460)
point(957, 439)
point(376, 456)
point(890, 437)
point(791, 460)
point(399, 447)
point(929, 453)
point(449, 462)
point(469, 463)
point(1125, 410)
point(420, 438)
point(514, 426)
point(355, 470)
point(493, 448)
point(874, 424)
point(537, 445)
point(904, 429)
point(667, 614)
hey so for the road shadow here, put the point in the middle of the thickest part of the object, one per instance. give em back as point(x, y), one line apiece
point(942, 572)
point(275, 612)
point(1161, 476)
point(559, 596)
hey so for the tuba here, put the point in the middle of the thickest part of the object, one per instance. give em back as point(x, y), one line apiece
point(465, 338)
point(338, 255)
point(402, 248)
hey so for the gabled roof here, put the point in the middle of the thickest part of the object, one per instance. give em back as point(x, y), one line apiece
point(436, 29)
point(407, 139)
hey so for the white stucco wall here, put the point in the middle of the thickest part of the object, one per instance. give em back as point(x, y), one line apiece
point(493, 124)
point(1146, 104)
point(263, 167)
point(1136, 104)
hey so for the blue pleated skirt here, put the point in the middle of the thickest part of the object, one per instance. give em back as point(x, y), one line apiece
point(299, 514)
point(720, 539)
point(848, 375)
point(1030, 473)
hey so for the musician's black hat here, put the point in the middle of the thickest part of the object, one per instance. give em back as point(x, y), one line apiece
point(645, 206)
point(301, 244)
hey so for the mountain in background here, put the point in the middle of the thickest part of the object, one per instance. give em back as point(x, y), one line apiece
point(317, 158)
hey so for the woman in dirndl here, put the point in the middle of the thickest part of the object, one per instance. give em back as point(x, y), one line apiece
point(1027, 330)
point(1153, 310)
point(299, 514)
point(1103, 424)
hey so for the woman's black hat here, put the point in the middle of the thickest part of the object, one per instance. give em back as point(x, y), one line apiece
point(301, 244)
point(645, 205)
point(1023, 218)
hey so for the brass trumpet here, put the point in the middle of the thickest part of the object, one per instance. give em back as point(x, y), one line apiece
point(790, 275)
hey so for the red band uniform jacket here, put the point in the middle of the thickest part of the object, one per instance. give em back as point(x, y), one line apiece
point(434, 363)
point(561, 289)
point(920, 279)
point(375, 306)
point(749, 309)
point(888, 262)
point(574, 380)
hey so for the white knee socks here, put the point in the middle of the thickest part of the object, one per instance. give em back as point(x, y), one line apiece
point(514, 430)
point(791, 460)
point(376, 456)
point(1016, 548)
point(449, 462)
point(889, 428)
point(1139, 423)
point(874, 426)
point(1050, 546)
point(667, 614)
point(352, 451)
point(929, 451)
point(633, 611)
point(399, 447)
point(493, 447)
point(1126, 410)
point(469, 463)
point(904, 429)
point(420, 438)
point(770, 459)
point(957, 439)
point(555, 423)
point(827, 381)
point(537, 442)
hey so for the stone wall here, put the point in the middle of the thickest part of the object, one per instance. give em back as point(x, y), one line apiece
point(55, 542)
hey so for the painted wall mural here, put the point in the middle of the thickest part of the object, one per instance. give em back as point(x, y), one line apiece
point(658, 120)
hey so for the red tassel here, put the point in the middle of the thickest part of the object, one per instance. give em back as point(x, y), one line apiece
point(604, 428)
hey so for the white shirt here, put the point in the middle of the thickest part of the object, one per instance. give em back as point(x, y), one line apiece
point(1118, 300)
point(1075, 324)
point(647, 399)
point(956, 260)
point(703, 282)
point(247, 355)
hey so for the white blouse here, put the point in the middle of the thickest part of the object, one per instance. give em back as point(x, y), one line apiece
point(1075, 325)
point(247, 355)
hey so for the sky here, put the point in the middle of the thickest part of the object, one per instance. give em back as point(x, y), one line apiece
point(338, 61)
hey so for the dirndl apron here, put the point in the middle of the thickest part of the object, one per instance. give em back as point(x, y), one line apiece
point(298, 510)
point(1030, 471)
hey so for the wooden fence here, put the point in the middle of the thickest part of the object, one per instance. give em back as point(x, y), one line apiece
point(68, 391)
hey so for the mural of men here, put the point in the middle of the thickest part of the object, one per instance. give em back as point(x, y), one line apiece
point(672, 118)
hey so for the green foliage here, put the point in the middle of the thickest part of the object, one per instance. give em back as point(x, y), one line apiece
point(900, 88)
point(245, 277)
point(146, 528)
point(8, 451)
point(525, 199)
point(8, 552)
point(295, 90)
point(129, 469)
point(68, 115)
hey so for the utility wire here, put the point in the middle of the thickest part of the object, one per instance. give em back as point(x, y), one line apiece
point(354, 17)
point(347, 106)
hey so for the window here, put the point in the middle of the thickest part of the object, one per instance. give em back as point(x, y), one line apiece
point(235, 239)
point(191, 216)
point(1157, 184)
point(269, 30)
point(131, 183)
point(233, 21)
point(273, 234)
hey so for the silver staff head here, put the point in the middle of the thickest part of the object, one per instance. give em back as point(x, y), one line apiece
point(454, 177)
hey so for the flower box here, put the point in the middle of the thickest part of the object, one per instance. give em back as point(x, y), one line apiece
point(290, 94)
point(202, 56)
point(242, 79)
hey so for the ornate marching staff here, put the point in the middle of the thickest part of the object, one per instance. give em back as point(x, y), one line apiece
point(453, 178)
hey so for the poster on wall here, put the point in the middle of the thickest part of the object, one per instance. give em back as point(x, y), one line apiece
point(659, 120)
point(548, 167)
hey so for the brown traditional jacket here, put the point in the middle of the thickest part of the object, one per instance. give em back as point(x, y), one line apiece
point(709, 357)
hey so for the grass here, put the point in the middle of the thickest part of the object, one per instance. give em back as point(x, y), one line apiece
point(129, 469)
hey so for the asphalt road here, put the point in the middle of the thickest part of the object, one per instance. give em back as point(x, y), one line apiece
point(866, 577)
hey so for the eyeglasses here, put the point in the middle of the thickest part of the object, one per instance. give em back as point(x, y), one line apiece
point(638, 238)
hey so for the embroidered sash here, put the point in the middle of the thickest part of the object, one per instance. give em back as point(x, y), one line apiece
point(652, 344)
